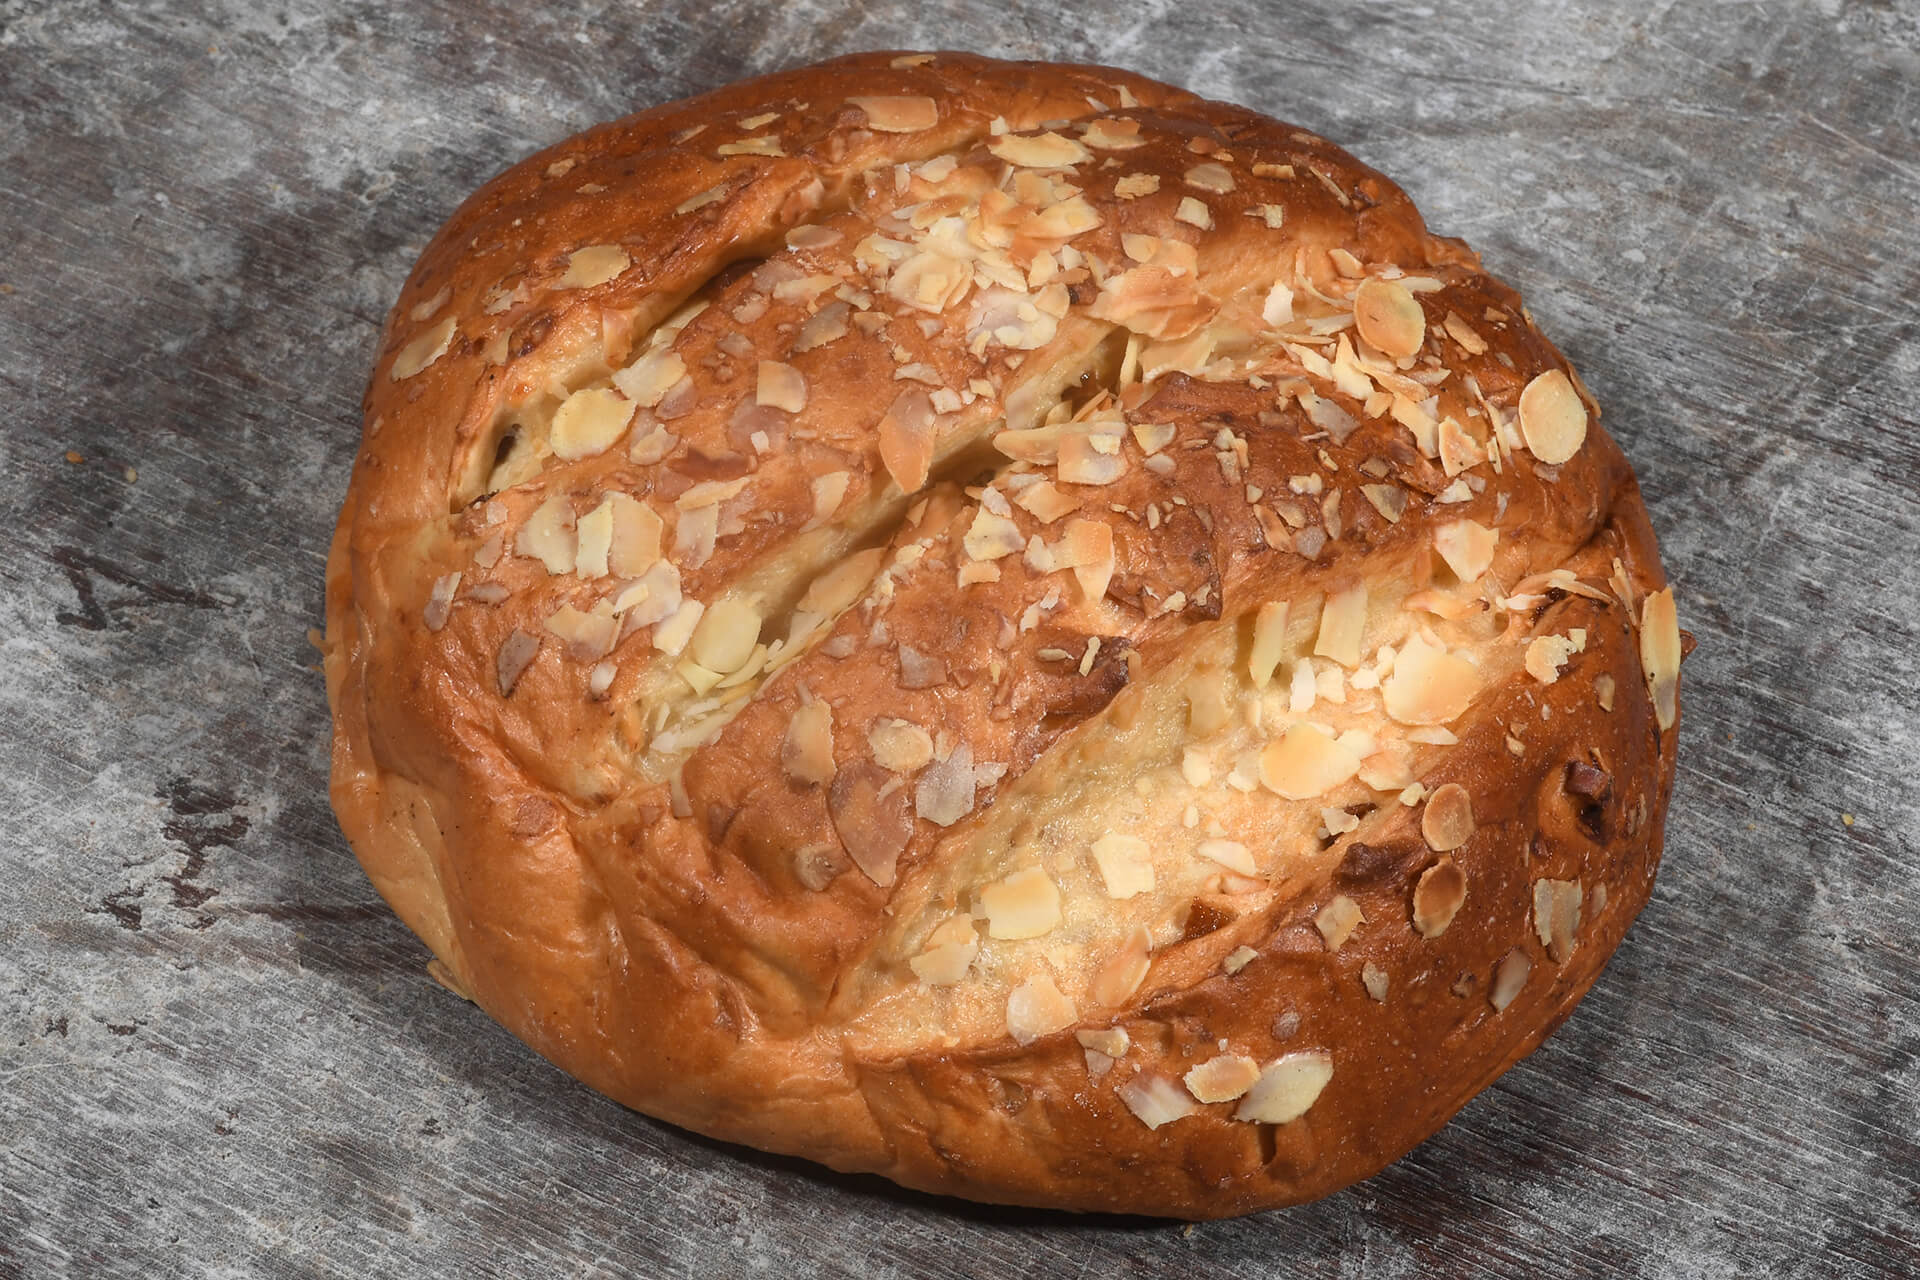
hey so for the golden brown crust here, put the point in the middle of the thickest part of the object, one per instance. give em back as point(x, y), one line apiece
point(960, 560)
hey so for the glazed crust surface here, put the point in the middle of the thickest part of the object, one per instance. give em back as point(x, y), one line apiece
point(1001, 625)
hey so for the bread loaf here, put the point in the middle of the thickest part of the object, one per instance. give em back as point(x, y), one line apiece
point(997, 624)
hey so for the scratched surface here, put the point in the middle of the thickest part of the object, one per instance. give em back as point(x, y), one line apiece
point(220, 1055)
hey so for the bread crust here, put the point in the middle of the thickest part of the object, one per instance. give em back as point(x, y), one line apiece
point(707, 929)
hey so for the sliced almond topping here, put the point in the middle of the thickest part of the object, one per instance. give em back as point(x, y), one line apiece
point(1110, 134)
point(807, 751)
point(1306, 762)
point(1039, 151)
point(1553, 419)
point(1428, 685)
point(1046, 503)
point(589, 636)
point(595, 264)
point(1123, 973)
point(899, 115)
point(1287, 1088)
point(1556, 916)
point(725, 638)
point(1025, 904)
point(1603, 691)
point(422, 351)
point(1089, 543)
point(767, 144)
point(1090, 458)
point(1342, 619)
point(781, 386)
point(1230, 854)
point(1463, 333)
point(1660, 656)
point(1208, 707)
point(588, 422)
point(647, 381)
point(1389, 317)
point(1036, 1008)
point(829, 491)
point(870, 815)
point(1546, 655)
point(1337, 920)
point(702, 199)
point(1467, 547)
point(1156, 1100)
point(440, 600)
point(672, 634)
point(949, 952)
point(1112, 1041)
point(1269, 642)
point(1210, 177)
point(548, 535)
point(945, 791)
point(1390, 500)
point(1222, 1079)
point(900, 745)
point(1277, 310)
point(1509, 976)
point(1437, 898)
point(1447, 822)
point(1194, 213)
point(1374, 979)
point(516, 653)
point(841, 585)
point(1125, 863)
point(991, 537)
point(906, 439)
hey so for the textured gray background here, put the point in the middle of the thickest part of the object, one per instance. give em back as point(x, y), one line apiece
point(219, 1054)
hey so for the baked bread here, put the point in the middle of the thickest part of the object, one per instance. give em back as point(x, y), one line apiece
point(998, 624)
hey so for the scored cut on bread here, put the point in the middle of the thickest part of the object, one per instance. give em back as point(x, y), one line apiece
point(998, 624)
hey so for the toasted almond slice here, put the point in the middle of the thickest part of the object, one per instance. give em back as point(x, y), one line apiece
point(899, 745)
point(1111, 134)
point(1036, 1008)
point(1342, 619)
point(1090, 544)
point(1210, 176)
point(807, 751)
point(1156, 1100)
point(1553, 418)
point(548, 535)
point(1306, 762)
point(1269, 642)
point(780, 386)
point(991, 537)
point(594, 265)
point(589, 422)
point(725, 638)
point(841, 585)
point(1556, 916)
point(1467, 547)
point(1124, 971)
point(898, 114)
point(1447, 822)
point(1025, 904)
point(1287, 1088)
point(1222, 1078)
point(1230, 854)
point(1660, 655)
point(1194, 213)
point(1125, 863)
point(1389, 317)
point(647, 380)
point(950, 950)
point(1039, 151)
point(1437, 897)
point(906, 434)
point(1429, 686)
point(1509, 976)
point(422, 351)
point(1337, 920)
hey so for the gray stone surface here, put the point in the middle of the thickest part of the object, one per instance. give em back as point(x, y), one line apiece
point(220, 1055)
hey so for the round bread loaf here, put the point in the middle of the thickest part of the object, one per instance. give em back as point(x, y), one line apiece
point(998, 624)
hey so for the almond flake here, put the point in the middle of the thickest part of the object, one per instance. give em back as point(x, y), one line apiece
point(767, 144)
point(422, 351)
point(1556, 916)
point(780, 386)
point(647, 381)
point(1210, 177)
point(1134, 185)
point(1230, 854)
point(1269, 642)
point(1437, 897)
point(906, 434)
point(1467, 547)
point(1125, 864)
point(1222, 1079)
point(1124, 971)
point(1194, 212)
point(807, 751)
point(1041, 151)
point(1306, 762)
point(1111, 134)
point(1447, 823)
point(898, 115)
point(726, 636)
point(1337, 920)
point(1342, 620)
point(548, 535)
point(701, 200)
point(1553, 419)
point(1509, 976)
point(1025, 904)
point(1660, 657)
point(1287, 1088)
point(1429, 686)
point(1546, 655)
point(588, 422)
point(1036, 1008)
point(949, 951)
point(593, 265)
point(1156, 1100)
point(1463, 333)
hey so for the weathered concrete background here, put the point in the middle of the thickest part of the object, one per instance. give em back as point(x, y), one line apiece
point(220, 1055)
